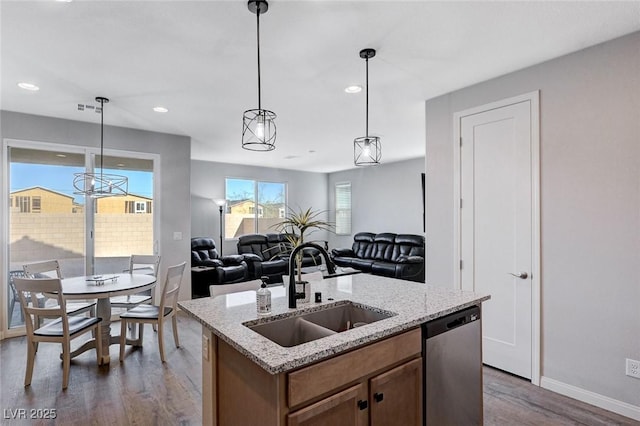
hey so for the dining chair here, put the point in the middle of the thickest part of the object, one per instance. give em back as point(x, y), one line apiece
point(156, 314)
point(51, 268)
point(138, 264)
point(14, 295)
point(220, 289)
point(62, 329)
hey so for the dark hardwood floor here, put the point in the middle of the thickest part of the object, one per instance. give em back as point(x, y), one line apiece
point(143, 391)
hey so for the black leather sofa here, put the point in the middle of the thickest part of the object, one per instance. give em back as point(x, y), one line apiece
point(208, 267)
point(268, 255)
point(390, 255)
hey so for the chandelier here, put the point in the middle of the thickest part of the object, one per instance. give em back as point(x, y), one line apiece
point(100, 185)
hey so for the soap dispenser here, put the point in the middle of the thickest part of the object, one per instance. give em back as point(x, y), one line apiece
point(263, 298)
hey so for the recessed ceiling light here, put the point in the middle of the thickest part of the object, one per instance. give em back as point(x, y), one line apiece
point(61, 155)
point(28, 86)
point(120, 165)
point(64, 1)
point(353, 89)
point(160, 109)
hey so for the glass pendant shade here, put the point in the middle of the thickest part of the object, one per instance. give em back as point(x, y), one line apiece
point(100, 184)
point(259, 130)
point(367, 151)
point(258, 125)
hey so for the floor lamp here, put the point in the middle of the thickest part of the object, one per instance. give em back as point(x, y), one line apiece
point(220, 203)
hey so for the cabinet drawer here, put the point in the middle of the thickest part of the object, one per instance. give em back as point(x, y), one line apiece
point(325, 376)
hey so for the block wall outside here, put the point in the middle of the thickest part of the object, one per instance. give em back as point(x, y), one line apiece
point(62, 235)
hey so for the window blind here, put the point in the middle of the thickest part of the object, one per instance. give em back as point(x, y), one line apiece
point(343, 208)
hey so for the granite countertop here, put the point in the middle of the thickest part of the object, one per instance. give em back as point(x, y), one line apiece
point(414, 304)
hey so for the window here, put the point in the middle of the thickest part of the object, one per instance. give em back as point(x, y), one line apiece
point(253, 206)
point(35, 204)
point(24, 203)
point(343, 208)
point(90, 235)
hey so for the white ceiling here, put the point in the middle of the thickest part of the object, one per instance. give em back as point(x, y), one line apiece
point(198, 59)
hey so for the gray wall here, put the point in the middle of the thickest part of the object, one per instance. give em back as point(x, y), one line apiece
point(384, 198)
point(304, 190)
point(174, 151)
point(590, 208)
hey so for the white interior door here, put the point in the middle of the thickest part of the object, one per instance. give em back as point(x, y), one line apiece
point(496, 229)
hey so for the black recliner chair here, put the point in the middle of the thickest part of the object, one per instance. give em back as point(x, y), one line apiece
point(208, 267)
point(268, 255)
point(264, 258)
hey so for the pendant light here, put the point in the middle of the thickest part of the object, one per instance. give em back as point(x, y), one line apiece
point(258, 125)
point(99, 185)
point(367, 150)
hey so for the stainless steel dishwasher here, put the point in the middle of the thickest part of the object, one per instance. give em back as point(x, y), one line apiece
point(452, 353)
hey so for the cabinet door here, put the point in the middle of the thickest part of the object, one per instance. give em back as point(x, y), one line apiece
point(396, 396)
point(345, 408)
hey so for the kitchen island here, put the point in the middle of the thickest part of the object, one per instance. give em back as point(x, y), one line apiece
point(249, 379)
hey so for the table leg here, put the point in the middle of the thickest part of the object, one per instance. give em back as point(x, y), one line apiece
point(104, 311)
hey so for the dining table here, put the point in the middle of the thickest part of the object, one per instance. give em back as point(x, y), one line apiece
point(103, 288)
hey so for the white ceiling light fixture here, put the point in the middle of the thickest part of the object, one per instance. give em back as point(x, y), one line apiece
point(367, 150)
point(28, 86)
point(258, 125)
point(160, 109)
point(100, 185)
point(353, 89)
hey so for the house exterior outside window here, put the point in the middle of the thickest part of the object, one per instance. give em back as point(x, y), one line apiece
point(253, 206)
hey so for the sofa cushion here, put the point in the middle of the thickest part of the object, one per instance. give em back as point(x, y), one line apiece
point(203, 249)
point(363, 264)
point(255, 244)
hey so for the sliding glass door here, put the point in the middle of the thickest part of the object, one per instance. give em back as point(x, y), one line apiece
point(47, 220)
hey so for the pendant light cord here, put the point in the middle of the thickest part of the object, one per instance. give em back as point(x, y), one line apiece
point(101, 136)
point(258, 40)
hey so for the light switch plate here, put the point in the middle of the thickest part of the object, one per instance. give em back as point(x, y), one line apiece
point(177, 236)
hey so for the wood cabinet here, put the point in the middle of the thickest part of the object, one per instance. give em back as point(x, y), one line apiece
point(396, 396)
point(391, 398)
point(377, 384)
point(348, 407)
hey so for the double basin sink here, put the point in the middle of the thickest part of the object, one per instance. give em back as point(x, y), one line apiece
point(298, 328)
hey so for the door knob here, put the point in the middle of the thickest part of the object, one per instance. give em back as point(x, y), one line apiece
point(522, 275)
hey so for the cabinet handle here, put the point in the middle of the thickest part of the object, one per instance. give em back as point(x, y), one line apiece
point(378, 396)
point(363, 404)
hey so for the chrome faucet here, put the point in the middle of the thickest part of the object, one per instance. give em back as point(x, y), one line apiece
point(292, 276)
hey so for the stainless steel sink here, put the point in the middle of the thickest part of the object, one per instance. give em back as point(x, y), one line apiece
point(291, 331)
point(345, 317)
point(306, 327)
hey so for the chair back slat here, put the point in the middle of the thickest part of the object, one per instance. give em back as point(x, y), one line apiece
point(27, 288)
point(41, 269)
point(220, 289)
point(144, 263)
point(171, 287)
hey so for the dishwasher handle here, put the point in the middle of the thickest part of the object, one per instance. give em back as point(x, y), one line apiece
point(451, 321)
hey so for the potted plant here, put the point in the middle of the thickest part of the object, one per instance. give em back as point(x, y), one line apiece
point(296, 224)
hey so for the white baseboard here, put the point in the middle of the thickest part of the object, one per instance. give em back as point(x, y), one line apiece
point(619, 407)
